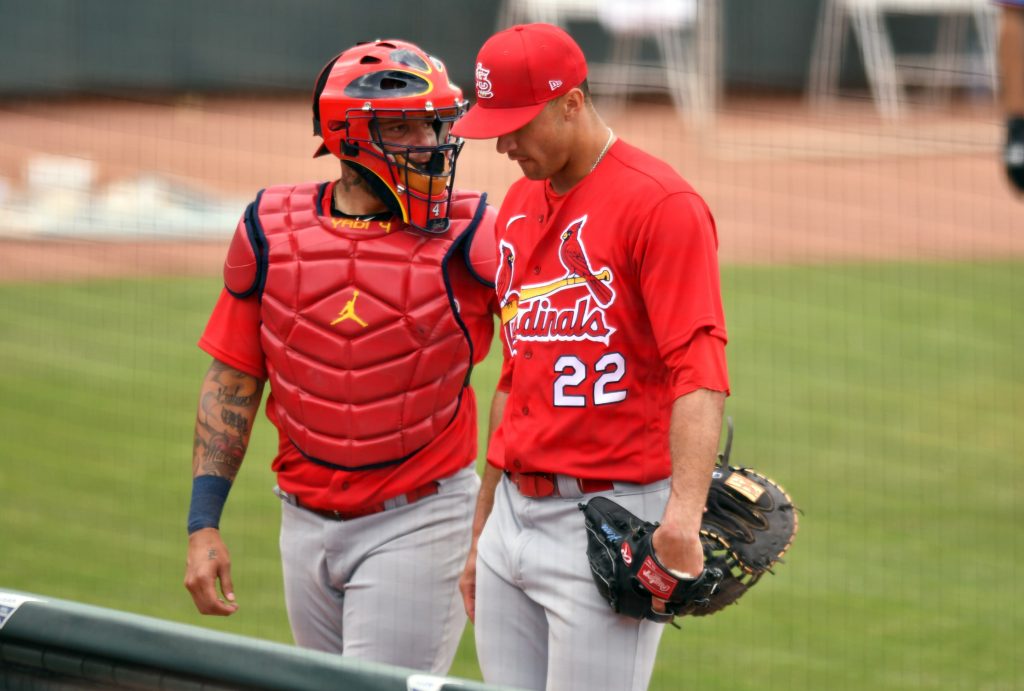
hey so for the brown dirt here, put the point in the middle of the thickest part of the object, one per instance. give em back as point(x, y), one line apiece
point(786, 184)
point(59, 259)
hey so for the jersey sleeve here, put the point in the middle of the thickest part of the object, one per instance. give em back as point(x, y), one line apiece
point(232, 334)
point(676, 255)
point(475, 298)
point(698, 364)
point(476, 304)
point(505, 378)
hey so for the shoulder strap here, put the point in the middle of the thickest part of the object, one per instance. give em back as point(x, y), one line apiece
point(478, 250)
point(246, 265)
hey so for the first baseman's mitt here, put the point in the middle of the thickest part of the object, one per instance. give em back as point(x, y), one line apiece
point(628, 573)
point(748, 525)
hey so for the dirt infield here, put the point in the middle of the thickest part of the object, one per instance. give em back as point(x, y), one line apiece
point(786, 184)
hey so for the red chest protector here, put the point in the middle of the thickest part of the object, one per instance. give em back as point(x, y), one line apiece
point(366, 354)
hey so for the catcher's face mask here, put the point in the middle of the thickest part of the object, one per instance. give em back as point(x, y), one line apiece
point(386, 108)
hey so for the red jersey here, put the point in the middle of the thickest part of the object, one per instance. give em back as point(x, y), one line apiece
point(232, 336)
point(611, 309)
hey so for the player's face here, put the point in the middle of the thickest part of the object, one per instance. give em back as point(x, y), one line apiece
point(400, 133)
point(539, 147)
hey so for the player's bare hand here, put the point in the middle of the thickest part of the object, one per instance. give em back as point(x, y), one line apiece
point(467, 585)
point(679, 552)
point(209, 566)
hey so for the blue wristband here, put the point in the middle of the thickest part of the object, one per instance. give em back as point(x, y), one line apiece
point(209, 492)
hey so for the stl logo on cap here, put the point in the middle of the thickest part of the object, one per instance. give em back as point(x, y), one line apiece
point(483, 82)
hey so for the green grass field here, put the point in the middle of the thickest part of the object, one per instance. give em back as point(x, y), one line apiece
point(887, 398)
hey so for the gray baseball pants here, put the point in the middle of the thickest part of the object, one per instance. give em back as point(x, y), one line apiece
point(540, 622)
point(382, 587)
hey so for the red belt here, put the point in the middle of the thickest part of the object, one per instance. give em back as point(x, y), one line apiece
point(415, 495)
point(540, 485)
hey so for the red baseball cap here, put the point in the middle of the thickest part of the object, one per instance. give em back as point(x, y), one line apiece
point(518, 71)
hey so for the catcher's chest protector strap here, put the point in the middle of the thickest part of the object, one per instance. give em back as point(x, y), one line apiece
point(246, 263)
point(480, 252)
point(366, 354)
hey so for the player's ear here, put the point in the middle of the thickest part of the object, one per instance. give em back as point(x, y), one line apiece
point(573, 103)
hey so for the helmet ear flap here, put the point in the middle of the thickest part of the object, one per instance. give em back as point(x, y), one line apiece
point(321, 82)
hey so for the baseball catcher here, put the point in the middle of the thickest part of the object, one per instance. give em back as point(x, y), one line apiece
point(362, 303)
point(748, 525)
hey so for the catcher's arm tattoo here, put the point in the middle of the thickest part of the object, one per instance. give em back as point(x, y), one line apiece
point(228, 404)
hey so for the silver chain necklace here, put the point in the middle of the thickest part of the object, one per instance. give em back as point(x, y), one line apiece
point(607, 145)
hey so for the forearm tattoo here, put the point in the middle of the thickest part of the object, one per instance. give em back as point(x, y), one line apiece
point(228, 405)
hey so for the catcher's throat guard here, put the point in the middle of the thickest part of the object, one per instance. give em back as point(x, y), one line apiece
point(748, 525)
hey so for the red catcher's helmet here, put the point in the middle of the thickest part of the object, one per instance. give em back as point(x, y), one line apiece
point(385, 80)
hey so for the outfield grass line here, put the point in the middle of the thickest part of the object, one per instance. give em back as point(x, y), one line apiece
point(886, 398)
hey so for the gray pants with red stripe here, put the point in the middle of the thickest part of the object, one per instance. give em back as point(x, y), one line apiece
point(540, 622)
point(382, 587)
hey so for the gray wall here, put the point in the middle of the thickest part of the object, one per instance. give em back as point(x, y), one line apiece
point(97, 45)
point(53, 46)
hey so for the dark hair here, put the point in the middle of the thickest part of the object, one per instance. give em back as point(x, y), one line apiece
point(584, 87)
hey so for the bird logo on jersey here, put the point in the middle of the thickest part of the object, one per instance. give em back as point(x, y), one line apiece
point(503, 280)
point(529, 312)
point(574, 259)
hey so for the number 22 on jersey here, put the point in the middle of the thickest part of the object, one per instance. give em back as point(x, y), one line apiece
point(577, 386)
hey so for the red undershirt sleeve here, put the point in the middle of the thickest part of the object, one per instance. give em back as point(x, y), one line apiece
point(232, 334)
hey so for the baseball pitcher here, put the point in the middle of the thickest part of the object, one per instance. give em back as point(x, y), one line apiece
point(613, 383)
